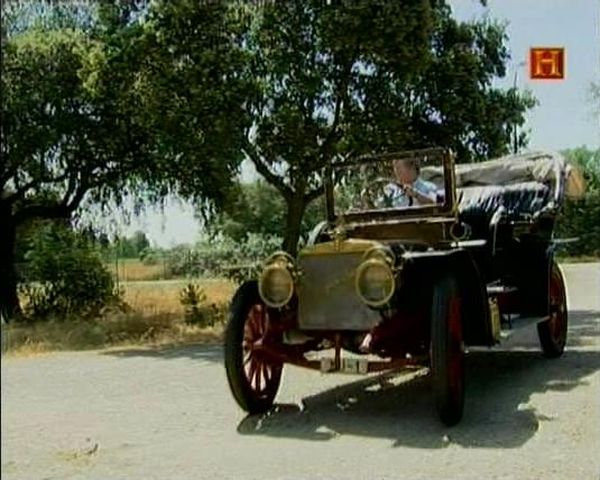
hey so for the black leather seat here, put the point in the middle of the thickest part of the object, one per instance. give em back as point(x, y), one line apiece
point(477, 205)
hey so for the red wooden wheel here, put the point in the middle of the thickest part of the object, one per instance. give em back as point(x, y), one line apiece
point(260, 373)
point(553, 332)
point(253, 377)
point(447, 350)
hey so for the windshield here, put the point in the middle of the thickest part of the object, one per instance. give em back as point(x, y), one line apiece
point(389, 183)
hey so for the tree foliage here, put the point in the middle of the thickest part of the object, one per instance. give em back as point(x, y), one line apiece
point(331, 81)
point(108, 100)
point(581, 218)
point(259, 208)
point(100, 108)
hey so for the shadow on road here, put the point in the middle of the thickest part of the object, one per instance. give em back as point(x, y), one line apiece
point(202, 352)
point(399, 407)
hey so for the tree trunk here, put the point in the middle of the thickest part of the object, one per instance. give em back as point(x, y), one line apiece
point(9, 301)
point(295, 211)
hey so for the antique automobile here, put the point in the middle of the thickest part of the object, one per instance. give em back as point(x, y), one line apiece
point(418, 260)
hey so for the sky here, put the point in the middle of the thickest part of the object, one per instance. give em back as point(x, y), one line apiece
point(562, 119)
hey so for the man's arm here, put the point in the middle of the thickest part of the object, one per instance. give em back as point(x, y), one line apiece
point(423, 197)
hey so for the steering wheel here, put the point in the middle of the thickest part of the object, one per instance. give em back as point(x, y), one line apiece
point(375, 190)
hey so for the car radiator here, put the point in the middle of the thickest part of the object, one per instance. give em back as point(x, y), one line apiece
point(327, 299)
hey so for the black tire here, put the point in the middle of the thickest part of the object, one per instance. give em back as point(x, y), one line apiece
point(242, 380)
point(553, 332)
point(447, 351)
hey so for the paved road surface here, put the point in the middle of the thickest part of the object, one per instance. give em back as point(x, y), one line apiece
point(168, 414)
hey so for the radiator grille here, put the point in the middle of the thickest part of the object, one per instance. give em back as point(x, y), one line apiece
point(326, 296)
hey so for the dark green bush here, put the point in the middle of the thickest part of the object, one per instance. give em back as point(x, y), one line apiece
point(192, 297)
point(63, 276)
point(581, 219)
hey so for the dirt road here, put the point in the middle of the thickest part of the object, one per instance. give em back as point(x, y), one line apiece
point(168, 414)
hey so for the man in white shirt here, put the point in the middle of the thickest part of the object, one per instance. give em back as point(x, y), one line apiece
point(409, 189)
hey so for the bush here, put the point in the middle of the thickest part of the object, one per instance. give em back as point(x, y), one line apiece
point(63, 276)
point(150, 257)
point(192, 297)
point(197, 312)
point(581, 218)
point(222, 256)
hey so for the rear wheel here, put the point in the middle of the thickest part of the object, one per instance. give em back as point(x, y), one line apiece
point(447, 351)
point(553, 332)
point(253, 378)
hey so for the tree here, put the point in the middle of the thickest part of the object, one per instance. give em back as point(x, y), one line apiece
point(335, 81)
point(188, 93)
point(94, 114)
point(581, 218)
point(258, 208)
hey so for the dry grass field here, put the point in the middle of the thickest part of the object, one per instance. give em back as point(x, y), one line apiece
point(154, 317)
point(131, 269)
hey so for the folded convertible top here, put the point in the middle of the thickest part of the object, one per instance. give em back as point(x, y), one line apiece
point(548, 168)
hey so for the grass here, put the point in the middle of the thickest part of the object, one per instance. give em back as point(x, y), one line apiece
point(156, 317)
point(578, 259)
point(116, 331)
point(132, 269)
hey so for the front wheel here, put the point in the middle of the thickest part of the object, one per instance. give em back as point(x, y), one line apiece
point(553, 332)
point(447, 351)
point(253, 378)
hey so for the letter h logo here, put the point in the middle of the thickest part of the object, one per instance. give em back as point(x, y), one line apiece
point(547, 63)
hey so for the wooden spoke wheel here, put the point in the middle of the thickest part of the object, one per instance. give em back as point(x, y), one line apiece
point(447, 351)
point(253, 377)
point(553, 332)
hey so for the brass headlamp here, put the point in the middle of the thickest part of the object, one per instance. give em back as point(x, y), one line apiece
point(375, 279)
point(276, 281)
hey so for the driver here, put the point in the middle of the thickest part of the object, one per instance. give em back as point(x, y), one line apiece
point(409, 189)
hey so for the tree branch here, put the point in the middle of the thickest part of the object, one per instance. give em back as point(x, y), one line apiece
point(341, 95)
point(21, 191)
point(41, 211)
point(314, 194)
point(265, 171)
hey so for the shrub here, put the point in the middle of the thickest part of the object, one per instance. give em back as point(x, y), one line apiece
point(197, 312)
point(222, 256)
point(581, 219)
point(63, 276)
point(192, 297)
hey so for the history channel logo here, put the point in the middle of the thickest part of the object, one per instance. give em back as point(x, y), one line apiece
point(547, 63)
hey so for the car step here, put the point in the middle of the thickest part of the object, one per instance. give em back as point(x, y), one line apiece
point(500, 289)
point(509, 327)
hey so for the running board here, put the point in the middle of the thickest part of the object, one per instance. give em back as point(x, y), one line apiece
point(509, 327)
point(494, 290)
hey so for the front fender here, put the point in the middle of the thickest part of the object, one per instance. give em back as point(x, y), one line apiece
point(459, 263)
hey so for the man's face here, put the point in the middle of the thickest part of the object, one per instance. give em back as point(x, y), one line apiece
point(405, 171)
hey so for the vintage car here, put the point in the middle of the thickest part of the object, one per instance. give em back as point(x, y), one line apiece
point(417, 260)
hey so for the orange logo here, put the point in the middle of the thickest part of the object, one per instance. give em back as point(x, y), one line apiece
point(547, 63)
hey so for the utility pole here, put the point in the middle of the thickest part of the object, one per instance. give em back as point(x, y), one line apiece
point(515, 133)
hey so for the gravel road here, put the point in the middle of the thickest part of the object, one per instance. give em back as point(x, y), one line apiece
point(168, 414)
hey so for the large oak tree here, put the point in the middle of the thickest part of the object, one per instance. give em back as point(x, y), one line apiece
point(333, 80)
point(105, 112)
